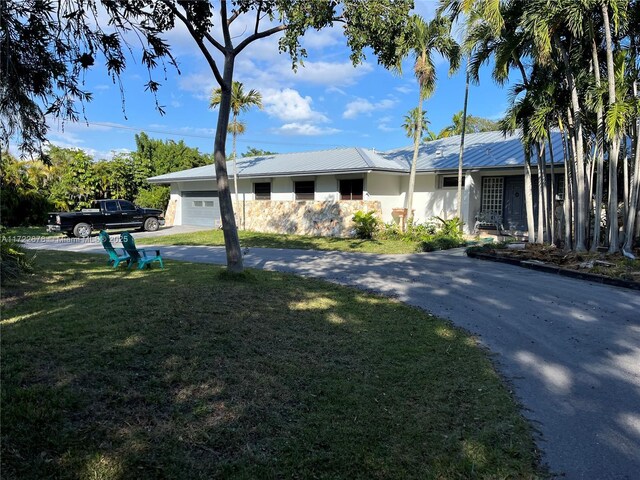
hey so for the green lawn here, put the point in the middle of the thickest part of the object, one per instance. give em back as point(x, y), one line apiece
point(273, 240)
point(29, 232)
point(187, 373)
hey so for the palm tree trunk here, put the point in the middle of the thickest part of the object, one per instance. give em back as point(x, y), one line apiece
point(414, 161)
point(599, 157)
point(634, 196)
point(460, 157)
point(528, 194)
point(625, 180)
point(580, 203)
point(543, 217)
point(552, 190)
point(614, 147)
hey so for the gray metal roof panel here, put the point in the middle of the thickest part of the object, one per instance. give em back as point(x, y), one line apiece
point(487, 149)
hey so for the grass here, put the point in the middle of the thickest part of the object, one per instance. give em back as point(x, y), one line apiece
point(273, 240)
point(190, 373)
point(29, 232)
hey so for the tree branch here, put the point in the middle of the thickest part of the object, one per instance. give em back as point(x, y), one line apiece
point(235, 14)
point(257, 36)
point(257, 18)
point(225, 24)
point(201, 45)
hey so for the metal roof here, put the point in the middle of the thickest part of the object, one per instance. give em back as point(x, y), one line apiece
point(482, 150)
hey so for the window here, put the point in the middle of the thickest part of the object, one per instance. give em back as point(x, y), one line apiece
point(262, 190)
point(111, 206)
point(351, 189)
point(304, 190)
point(492, 192)
point(126, 206)
point(198, 203)
point(450, 182)
point(208, 203)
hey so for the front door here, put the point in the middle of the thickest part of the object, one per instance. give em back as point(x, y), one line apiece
point(515, 213)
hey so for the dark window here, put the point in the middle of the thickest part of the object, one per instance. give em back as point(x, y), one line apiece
point(262, 191)
point(126, 206)
point(351, 189)
point(304, 190)
point(111, 206)
point(450, 182)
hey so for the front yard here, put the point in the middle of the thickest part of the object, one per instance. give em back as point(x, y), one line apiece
point(187, 373)
point(273, 240)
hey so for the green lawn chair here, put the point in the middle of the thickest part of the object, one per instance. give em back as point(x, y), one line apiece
point(114, 256)
point(141, 255)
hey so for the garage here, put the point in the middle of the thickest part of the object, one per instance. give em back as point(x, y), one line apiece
point(201, 208)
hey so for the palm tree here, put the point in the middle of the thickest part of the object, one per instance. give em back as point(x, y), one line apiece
point(415, 122)
point(240, 102)
point(425, 38)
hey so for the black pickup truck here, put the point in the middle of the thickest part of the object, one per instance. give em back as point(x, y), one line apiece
point(103, 215)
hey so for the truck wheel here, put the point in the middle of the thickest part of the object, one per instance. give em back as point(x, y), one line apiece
point(82, 230)
point(151, 224)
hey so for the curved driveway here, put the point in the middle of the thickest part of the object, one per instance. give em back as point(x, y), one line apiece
point(571, 349)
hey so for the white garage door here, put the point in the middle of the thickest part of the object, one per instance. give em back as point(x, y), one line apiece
point(201, 208)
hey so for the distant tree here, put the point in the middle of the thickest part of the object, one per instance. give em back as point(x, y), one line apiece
point(240, 102)
point(256, 152)
point(473, 125)
point(157, 157)
point(22, 199)
point(76, 179)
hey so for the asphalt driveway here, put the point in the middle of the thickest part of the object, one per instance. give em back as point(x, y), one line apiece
point(569, 348)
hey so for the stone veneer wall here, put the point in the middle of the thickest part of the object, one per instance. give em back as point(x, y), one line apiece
point(327, 219)
point(170, 215)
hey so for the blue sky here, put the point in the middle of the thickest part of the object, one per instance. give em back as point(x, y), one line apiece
point(327, 104)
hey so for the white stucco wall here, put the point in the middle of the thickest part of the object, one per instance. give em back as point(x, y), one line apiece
point(389, 189)
point(384, 188)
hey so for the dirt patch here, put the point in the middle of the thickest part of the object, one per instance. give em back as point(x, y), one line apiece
point(613, 266)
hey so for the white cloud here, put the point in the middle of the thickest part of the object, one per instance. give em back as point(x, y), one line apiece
point(383, 124)
point(305, 129)
point(199, 84)
point(288, 105)
point(405, 89)
point(361, 106)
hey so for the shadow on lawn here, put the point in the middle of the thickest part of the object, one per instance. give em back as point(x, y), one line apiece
point(178, 374)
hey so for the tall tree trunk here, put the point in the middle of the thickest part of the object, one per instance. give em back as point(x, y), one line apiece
point(614, 147)
point(599, 157)
point(580, 193)
point(528, 194)
point(460, 157)
point(634, 196)
point(625, 179)
point(543, 210)
point(235, 165)
point(229, 228)
point(414, 161)
point(554, 219)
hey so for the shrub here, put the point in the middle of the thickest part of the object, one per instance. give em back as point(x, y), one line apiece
point(451, 228)
point(426, 246)
point(418, 231)
point(155, 197)
point(445, 242)
point(14, 260)
point(389, 231)
point(365, 224)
